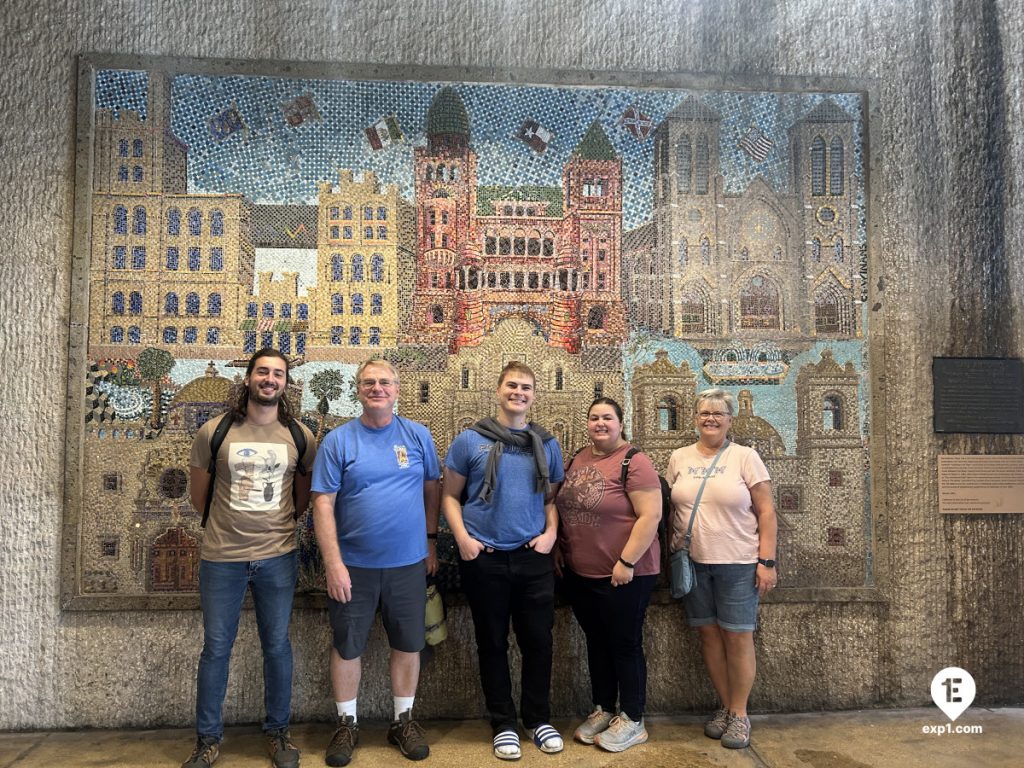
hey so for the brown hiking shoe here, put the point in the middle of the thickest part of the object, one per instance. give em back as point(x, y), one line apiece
point(207, 750)
point(283, 753)
point(408, 736)
point(343, 742)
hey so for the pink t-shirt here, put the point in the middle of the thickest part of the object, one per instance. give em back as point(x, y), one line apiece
point(725, 530)
point(595, 515)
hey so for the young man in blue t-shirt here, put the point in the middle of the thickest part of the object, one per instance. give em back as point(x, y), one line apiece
point(375, 508)
point(500, 480)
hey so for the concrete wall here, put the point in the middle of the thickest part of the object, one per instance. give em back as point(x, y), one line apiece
point(949, 282)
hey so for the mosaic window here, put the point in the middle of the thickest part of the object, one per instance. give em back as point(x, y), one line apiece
point(374, 336)
point(171, 304)
point(216, 259)
point(835, 186)
point(818, 166)
point(173, 221)
point(121, 220)
point(216, 223)
point(172, 258)
point(195, 222)
point(376, 268)
point(195, 259)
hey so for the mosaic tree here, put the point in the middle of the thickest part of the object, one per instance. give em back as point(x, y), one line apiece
point(153, 364)
point(328, 385)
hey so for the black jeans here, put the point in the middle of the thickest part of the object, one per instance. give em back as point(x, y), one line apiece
point(612, 619)
point(518, 585)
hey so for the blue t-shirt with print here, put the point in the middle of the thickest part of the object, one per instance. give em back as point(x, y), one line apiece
point(516, 512)
point(378, 475)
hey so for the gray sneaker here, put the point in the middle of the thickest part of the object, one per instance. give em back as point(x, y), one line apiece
point(343, 742)
point(737, 734)
point(206, 752)
point(283, 753)
point(621, 734)
point(596, 721)
point(715, 727)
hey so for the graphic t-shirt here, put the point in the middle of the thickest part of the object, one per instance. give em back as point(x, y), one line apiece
point(595, 516)
point(252, 512)
point(725, 530)
point(378, 476)
point(516, 512)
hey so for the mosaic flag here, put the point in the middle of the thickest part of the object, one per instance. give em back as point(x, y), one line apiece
point(756, 144)
point(299, 110)
point(226, 123)
point(535, 135)
point(637, 123)
point(384, 133)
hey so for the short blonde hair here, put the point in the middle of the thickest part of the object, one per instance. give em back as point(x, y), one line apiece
point(717, 395)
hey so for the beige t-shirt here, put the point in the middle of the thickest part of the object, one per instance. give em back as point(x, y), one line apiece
point(252, 512)
point(725, 529)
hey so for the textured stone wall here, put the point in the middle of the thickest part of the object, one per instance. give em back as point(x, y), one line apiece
point(948, 271)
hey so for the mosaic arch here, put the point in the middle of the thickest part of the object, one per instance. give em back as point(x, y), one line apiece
point(640, 243)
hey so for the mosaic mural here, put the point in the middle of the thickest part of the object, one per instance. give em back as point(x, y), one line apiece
point(637, 243)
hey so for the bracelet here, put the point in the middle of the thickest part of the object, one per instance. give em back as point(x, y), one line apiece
point(431, 535)
point(627, 563)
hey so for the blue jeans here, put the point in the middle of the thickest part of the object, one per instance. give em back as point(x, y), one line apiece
point(222, 588)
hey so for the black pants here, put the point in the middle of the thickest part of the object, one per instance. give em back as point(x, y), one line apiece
point(612, 619)
point(517, 585)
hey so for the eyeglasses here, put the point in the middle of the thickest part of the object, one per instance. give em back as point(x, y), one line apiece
point(716, 415)
point(371, 383)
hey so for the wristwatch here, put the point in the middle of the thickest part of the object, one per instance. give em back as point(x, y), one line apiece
point(766, 563)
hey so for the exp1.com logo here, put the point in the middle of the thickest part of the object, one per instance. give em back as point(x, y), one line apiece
point(953, 691)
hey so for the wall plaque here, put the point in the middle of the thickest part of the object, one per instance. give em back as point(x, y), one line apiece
point(978, 395)
point(981, 484)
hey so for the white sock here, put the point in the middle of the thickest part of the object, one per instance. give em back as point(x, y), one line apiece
point(403, 704)
point(347, 708)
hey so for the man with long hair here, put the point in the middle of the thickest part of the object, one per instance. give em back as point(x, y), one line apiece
point(249, 544)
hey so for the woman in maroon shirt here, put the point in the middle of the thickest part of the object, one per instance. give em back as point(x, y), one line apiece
point(610, 560)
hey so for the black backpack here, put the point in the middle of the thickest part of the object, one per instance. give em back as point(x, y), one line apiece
point(298, 437)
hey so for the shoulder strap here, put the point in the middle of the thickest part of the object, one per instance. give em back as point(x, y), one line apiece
point(215, 443)
point(700, 492)
point(625, 464)
point(299, 438)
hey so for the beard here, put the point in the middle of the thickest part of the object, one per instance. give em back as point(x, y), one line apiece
point(256, 396)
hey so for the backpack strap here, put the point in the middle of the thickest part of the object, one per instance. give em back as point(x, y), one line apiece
point(299, 438)
point(625, 464)
point(215, 443)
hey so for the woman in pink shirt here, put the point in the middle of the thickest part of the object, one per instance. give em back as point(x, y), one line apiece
point(610, 561)
point(733, 552)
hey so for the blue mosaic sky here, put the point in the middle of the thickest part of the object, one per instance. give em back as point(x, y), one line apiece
point(272, 162)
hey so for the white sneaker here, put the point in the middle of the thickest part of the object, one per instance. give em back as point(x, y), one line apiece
point(596, 721)
point(621, 734)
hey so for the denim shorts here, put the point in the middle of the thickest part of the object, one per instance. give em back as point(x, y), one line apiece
point(400, 594)
point(724, 594)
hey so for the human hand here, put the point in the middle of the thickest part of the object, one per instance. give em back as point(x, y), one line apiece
point(621, 575)
point(339, 583)
point(766, 579)
point(544, 542)
point(469, 548)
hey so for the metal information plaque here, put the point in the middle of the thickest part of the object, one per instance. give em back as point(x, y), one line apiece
point(981, 484)
point(978, 394)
